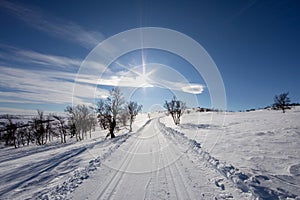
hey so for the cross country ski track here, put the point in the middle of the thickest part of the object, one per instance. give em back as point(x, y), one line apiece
point(152, 164)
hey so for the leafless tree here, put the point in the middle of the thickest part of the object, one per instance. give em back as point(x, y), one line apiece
point(73, 118)
point(48, 128)
point(133, 110)
point(62, 127)
point(72, 121)
point(111, 109)
point(103, 114)
point(26, 134)
point(11, 131)
point(176, 109)
point(281, 102)
point(39, 128)
point(80, 120)
point(92, 123)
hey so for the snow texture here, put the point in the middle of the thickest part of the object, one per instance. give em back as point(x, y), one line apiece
point(253, 155)
point(261, 148)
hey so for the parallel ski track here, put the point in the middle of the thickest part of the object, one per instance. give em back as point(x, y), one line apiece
point(181, 189)
point(167, 171)
point(114, 181)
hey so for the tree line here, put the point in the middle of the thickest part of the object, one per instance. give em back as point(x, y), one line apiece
point(110, 113)
point(42, 128)
point(79, 122)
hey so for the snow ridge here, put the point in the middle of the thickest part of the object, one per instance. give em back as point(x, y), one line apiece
point(246, 183)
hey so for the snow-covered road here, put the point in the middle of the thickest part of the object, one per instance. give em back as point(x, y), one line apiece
point(152, 165)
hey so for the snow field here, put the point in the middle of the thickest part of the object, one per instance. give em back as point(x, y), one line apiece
point(209, 156)
point(263, 145)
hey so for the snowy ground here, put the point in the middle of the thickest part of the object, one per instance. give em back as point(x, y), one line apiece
point(263, 144)
point(209, 156)
point(55, 169)
point(153, 164)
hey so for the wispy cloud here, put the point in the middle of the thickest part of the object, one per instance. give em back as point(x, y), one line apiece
point(40, 87)
point(60, 28)
point(51, 81)
point(59, 85)
point(10, 54)
point(159, 76)
point(47, 59)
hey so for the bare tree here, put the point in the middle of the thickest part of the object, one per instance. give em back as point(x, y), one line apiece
point(92, 124)
point(48, 128)
point(20, 134)
point(103, 114)
point(79, 120)
point(62, 128)
point(281, 102)
point(84, 113)
point(133, 110)
point(39, 128)
point(74, 122)
point(72, 117)
point(26, 135)
point(111, 109)
point(175, 108)
point(11, 131)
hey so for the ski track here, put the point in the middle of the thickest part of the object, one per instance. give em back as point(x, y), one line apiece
point(203, 188)
point(172, 168)
point(155, 162)
point(156, 166)
point(113, 183)
point(31, 175)
point(245, 182)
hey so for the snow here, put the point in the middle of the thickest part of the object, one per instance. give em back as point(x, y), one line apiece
point(263, 144)
point(53, 170)
point(209, 156)
point(152, 164)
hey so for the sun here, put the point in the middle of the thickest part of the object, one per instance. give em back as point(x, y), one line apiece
point(144, 79)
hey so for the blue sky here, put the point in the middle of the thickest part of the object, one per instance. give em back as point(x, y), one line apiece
point(255, 45)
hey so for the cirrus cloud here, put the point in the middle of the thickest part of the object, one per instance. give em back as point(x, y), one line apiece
point(35, 17)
